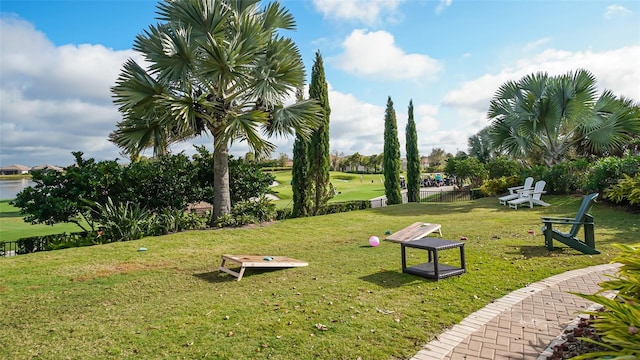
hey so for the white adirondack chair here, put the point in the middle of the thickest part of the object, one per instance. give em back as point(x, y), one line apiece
point(532, 197)
point(517, 191)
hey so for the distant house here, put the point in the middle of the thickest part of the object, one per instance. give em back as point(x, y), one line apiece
point(46, 167)
point(14, 169)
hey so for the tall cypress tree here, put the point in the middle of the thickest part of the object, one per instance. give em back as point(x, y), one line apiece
point(413, 158)
point(391, 159)
point(301, 182)
point(319, 162)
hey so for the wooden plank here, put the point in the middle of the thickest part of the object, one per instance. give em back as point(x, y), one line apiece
point(414, 231)
point(257, 261)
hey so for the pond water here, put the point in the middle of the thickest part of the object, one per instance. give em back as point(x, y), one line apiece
point(9, 188)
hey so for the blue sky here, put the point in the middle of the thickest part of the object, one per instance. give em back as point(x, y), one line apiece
point(58, 60)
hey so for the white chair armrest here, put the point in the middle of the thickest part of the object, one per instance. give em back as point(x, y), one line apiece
point(514, 189)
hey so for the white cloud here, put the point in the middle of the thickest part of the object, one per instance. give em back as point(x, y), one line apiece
point(366, 11)
point(442, 6)
point(55, 100)
point(375, 55)
point(615, 10)
point(536, 44)
point(615, 70)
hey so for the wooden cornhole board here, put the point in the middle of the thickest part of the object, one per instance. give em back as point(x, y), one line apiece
point(257, 261)
point(414, 231)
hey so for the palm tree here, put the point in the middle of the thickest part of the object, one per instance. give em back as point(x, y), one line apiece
point(480, 145)
point(551, 115)
point(217, 67)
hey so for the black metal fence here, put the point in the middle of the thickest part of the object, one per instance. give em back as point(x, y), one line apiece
point(433, 196)
point(45, 243)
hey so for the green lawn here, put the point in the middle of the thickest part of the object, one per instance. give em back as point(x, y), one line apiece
point(13, 227)
point(348, 185)
point(112, 301)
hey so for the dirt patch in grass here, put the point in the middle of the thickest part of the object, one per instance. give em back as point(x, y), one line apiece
point(105, 270)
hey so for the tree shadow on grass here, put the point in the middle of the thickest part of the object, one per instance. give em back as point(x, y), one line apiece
point(390, 279)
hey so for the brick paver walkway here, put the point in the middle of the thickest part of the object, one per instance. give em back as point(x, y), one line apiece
point(522, 324)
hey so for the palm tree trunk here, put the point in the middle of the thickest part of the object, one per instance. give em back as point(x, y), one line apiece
point(221, 195)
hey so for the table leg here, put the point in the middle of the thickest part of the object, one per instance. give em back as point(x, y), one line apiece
point(404, 259)
point(462, 261)
point(435, 264)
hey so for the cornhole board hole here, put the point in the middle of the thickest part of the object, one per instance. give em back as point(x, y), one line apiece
point(414, 231)
point(256, 261)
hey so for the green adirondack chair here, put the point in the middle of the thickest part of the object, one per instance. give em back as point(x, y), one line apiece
point(582, 219)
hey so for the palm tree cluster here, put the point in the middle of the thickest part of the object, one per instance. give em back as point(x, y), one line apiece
point(545, 118)
point(218, 68)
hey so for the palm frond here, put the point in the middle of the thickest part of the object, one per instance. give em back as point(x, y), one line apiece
point(135, 88)
point(277, 17)
point(303, 117)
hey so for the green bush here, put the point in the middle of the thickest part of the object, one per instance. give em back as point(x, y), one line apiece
point(502, 167)
point(283, 214)
point(340, 207)
point(618, 324)
point(248, 212)
point(627, 190)
point(193, 221)
point(175, 220)
point(166, 182)
point(124, 221)
point(57, 196)
point(607, 171)
point(466, 170)
point(262, 209)
point(566, 177)
point(499, 185)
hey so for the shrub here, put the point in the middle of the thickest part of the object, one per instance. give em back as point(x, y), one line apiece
point(627, 190)
point(225, 220)
point(57, 196)
point(500, 185)
point(340, 207)
point(502, 167)
point(566, 177)
point(607, 171)
point(283, 214)
point(167, 182)
point(248, 212)
point(618, 325)
point(262, 209)
point(124, 221)
point(175, 220)
point(193, 221)
point(537, 172)
point(466, 169)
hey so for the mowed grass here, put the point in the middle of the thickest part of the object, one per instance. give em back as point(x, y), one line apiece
point(348, 186)
point(170, 302)
point(13, 227)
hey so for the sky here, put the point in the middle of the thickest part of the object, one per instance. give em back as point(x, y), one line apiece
point(59, 59)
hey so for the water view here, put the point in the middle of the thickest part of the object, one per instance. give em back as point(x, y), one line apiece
point(9, 188)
